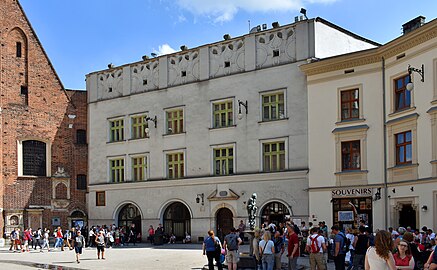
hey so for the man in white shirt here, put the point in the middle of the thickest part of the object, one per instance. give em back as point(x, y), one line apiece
point(315, 247)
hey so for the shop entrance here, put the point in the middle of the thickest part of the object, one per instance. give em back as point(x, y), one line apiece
point(407, 216)
point(225, 222)
point(349, 211)
point(177, 220)
point(274, 212)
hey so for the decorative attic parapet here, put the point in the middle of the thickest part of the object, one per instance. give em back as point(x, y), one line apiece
point(275, 47)
point(145, 76)
point(226, 58)
point(183, 68)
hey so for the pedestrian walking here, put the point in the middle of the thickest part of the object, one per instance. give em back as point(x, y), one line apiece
point(100, 242)
point(379, 257)
point(267, 251)
point(231, 244)
point(79, 243)
point(293, 248)
point(361, 244)
point(278, 241)
point(339, 248)
point(59, 239)
point(46, 240)
point(212, 247)
point(315, 247)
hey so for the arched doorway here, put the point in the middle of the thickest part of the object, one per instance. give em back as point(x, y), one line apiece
point(225, 222)
point(407, 216)
point(177, 219)
point(274, 212)
point(128, 215)
point(77, 219)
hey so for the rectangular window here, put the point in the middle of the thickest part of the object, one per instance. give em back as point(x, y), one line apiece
point(403, 148)
point(273, 106)
point(350, 104)
point(351, 155)
point(139, 125)
point(24, 90)
point(223, 114)
point(175, 165)
point(116, 130)
point(117, 170)
point(81, 182)
point(224, 161)
point(274, 156)
point(402, 95)
point(18, 49)
point(100, 198)
point(175, 121)
point(139, 168)
point(81, 136)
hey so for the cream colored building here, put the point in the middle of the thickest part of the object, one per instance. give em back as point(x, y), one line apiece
point(372, 142)
point(185, 139)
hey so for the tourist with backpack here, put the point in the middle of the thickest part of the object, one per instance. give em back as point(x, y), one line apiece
point(360, 244)
point(231, 243)
point(315, 247)
point(212, 249)
point(341, 247)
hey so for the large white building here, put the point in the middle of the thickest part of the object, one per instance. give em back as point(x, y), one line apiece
point(185, 139)
point(372, 142)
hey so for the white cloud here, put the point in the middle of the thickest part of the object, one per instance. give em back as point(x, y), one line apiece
point(164, 49)
point(225, 10)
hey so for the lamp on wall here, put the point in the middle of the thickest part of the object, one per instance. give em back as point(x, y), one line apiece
point(200, 198)
point(245, 105)
point(424, 208)
point(421, 72)
point(377, 195)
point(154, 120)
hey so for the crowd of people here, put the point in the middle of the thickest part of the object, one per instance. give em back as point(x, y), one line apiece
point(356, 249)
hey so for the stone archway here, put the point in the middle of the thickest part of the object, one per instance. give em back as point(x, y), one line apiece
point(274, 212)
point(177, 220)
point(130, 214)
point(224, 221)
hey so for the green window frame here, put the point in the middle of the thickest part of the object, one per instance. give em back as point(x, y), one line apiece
point(117, 170)
point(175, 121)
point(116, 130)
point(223, 114)
point(175, 165)
point(139, 168)
point(274, 156)
point(223, 161)
point(139, 125)
point(273, 106)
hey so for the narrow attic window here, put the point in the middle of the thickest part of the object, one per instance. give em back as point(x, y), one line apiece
point(23, 90)
point(183, 74)
point(227, 64)
point(400, 56)
point(275, 53)
point(144, 82)
point(110, 89)
point(347, 71)
point(18, 49)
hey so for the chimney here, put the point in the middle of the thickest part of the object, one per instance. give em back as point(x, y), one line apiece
point(413, 24)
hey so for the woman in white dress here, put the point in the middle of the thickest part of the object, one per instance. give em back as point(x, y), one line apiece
point(380, 257)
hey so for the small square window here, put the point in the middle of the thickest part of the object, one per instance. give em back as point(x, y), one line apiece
point(110, 89)
point(227, 64)
point(80, 136)
point(275, 53)
point(24, 90)
point(144, 82)
point(183, 73)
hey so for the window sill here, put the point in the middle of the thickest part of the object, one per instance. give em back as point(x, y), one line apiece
point(30, 176)
point(138, 139)
point(402, 111)
point(404, 166)
point(434, 102)
point(173, 134)
point(222, 128)
point(117, 142)
point(273, 121)
point(433, 161)
point(350, 121)
point(351, 172)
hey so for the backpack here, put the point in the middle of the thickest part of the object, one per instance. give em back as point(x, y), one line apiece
point(346, 243)
point(314, 244)
point(232, 243)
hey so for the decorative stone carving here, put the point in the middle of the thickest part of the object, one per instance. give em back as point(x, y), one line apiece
point(145, 76)
point(226, 58)
point(110, 84)
point(60, 203)
point(251, 211)
point(275, 48)
point(60, 172)
point(183, 68)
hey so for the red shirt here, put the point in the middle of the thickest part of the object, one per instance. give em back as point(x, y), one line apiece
point(402, 262)
point(292, 240)
point(59, 234)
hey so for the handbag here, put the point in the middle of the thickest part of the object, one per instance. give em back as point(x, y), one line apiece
point(261, 253)
point(218, 248)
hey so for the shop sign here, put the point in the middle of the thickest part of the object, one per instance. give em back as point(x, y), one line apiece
point(352, 192)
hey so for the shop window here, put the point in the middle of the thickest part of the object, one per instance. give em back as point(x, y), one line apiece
point(348, 212)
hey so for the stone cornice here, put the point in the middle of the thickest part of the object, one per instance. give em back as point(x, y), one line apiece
point(371, 56)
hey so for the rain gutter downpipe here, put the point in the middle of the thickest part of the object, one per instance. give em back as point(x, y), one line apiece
point(384, 145)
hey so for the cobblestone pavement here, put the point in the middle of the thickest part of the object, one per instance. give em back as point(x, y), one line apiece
point(142, 256)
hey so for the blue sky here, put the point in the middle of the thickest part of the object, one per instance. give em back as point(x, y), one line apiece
point(83, 36)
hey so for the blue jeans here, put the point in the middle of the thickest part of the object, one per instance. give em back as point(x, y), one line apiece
point(268, 260)
point(59, 242)
point(351, 260)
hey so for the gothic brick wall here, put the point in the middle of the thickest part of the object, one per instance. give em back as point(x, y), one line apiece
point(35, 106)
